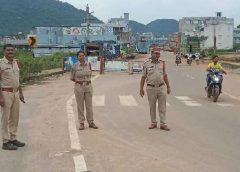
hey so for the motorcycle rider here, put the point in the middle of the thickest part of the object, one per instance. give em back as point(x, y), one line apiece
point(197, 57)
point(214, 65)
point(178, 57)
point(189, 58)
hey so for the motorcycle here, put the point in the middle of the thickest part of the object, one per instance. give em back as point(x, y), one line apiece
point(178, 61)
point(215, 85)
point(189, 61)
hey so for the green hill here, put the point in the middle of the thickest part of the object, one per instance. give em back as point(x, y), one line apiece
point(137, 27)
point(21, 15)
point(158, 27)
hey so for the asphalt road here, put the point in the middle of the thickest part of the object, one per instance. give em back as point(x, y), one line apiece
point(203, 136)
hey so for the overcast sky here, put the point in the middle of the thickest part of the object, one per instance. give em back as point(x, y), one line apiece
point(145, 11)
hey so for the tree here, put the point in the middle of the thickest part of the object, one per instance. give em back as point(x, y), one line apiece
point(238, 26)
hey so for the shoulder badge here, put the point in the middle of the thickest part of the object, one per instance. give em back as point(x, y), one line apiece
point(149, 60)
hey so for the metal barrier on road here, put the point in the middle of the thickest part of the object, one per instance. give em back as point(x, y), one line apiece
point(116, 66)
point(135, 67)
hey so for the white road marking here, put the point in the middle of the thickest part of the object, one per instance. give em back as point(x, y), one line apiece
point(233, 97)
point(191, 103)
point(168, 104)
point(98, 100)
point(224, 104)
point(58, 154)
point(75, 144)
point(127, 101)
point(80, 164)
point(182, 98)
point(188, 101)
point(191, 77)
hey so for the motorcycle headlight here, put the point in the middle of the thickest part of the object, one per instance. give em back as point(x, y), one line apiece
point(216, 79)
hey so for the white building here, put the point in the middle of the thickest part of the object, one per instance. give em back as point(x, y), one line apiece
point(121, 28)
point(207, 28)
point(236, 36)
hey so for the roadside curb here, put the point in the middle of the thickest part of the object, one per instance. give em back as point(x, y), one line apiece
point(42, 75)
point(230, 65)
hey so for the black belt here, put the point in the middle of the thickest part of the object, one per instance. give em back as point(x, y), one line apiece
point(81, 82)
point(9, 89)
point(150, 85)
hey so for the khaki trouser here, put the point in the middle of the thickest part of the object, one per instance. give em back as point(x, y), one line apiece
point(83, 93)
point(157, 94)
point(10, 116)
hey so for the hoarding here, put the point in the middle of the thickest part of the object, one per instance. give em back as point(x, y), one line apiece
point(82, 31)
point(69, 62)
point(95, 64)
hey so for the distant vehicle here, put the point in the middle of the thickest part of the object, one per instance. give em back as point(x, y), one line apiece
point(92, 49)
point(189, 59)
point(178, 60)
point(142, 45)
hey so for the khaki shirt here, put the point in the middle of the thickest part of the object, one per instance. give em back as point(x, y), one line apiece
point(81, 72)
point(153, 72)
point(9, 73)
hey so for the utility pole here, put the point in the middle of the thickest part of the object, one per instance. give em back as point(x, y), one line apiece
point(215, 22)
point(214, 38)
point(88, 24)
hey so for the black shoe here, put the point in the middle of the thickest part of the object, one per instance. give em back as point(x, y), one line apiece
point(17, 143)
point(9, 146)
point(92, 125)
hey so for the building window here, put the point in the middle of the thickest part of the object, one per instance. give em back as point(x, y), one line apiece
point(195, 22)
point(229, 28)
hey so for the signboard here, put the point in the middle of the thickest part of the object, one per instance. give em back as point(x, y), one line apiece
point(95, 64)
point(116, 66)
point(69, 62)
point(71, 31)
point(92, 30)
point(82, 31)
point(32, 40)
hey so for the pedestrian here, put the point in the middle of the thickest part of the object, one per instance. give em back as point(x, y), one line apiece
point(10, 94)
point(81, 75)
point(154, 73)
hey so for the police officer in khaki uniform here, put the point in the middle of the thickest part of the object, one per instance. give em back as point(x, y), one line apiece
point(81, 75)
point(10, 94)
point(154, 73)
